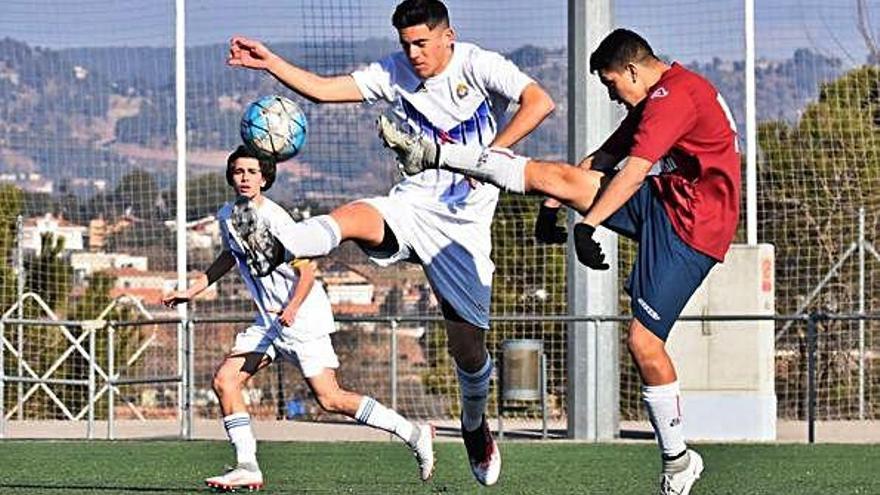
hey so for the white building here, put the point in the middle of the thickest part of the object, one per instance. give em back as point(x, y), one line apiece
point(34, 228)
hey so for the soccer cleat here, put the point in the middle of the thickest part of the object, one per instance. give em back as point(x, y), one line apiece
point(680, 483)
point(423, 450)
point(237, 479)
point(483, 453)
point(414, 153)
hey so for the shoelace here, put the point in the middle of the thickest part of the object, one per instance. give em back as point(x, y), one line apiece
point(666, 485)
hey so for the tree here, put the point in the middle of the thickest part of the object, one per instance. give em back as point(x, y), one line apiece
point(48, 274)
point(138, 192)
point(11, 203)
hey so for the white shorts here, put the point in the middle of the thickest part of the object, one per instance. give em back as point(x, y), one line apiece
point(312, 356)
point(454, 254)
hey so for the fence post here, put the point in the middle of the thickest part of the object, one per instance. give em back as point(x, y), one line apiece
point(2, 380)
point(189, 376)
point(811, 376)
point(111, 371)
point(394, 364)
point(90, 426)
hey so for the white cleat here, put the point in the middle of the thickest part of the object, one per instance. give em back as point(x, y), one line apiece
point(483, 454)
point(424, 451)
point(237, 479)
point(680, 483)
point(414, 154)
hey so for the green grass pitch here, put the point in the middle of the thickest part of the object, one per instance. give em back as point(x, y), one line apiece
point(129, 467)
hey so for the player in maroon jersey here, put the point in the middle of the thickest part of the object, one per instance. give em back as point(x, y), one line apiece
point(683, 214)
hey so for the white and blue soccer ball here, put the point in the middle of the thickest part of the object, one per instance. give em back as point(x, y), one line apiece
point(274, 127)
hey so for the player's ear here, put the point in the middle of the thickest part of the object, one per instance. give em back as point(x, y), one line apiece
point(633, 71)
point(449, 35)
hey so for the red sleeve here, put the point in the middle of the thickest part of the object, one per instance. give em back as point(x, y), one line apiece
point(668, 115)
point(621, 140)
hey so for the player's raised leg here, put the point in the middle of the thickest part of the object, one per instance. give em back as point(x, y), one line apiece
point(229, 380)
point(575, 186)
point(369, 411)
point(467, 345)
point(318, 236)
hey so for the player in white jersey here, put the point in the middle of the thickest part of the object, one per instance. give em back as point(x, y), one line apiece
point(450, 91)
point(294, 321)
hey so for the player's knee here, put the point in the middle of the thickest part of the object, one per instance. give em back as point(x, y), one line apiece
point(330, 402)
point(470, 359)
point(223, 383)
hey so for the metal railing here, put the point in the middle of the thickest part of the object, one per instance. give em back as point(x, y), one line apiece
point(184, 376)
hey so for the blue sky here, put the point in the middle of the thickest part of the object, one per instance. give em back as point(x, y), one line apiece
point(684, 29)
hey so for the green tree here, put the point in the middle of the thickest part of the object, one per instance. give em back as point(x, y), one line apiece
point(11, 203)
point(138, 191)
point(49, 275)
point(814, 176)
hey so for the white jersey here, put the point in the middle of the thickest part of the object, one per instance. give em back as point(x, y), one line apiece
point(250, 232)
point(461, 105)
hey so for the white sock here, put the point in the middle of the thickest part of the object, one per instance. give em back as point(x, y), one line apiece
point(238, 429)
point(372, 413)
point(316, 236)
point(474, 394)
point(664, 409)
point(496, 165)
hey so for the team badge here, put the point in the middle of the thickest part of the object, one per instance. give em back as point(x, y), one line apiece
point(659, 93)
point(462, 90)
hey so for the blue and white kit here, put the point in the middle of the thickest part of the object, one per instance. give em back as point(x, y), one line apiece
point(437, 216)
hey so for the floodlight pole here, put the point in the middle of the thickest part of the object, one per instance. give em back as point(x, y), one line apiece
point(180, 223)
point(751, 128)
point(592, 403)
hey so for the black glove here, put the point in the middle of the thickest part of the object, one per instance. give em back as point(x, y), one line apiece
point(546, 230)
point(589, 252)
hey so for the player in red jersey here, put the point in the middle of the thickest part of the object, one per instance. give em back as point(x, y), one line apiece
point(683, 216)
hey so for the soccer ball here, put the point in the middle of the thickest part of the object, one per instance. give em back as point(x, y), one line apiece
point(274, 127)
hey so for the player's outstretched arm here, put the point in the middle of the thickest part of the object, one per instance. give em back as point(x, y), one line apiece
point(252, 54)
point(224, 262)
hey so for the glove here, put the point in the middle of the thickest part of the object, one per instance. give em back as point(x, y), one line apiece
point(589, 252)
point(546, 230)
point(414, 153)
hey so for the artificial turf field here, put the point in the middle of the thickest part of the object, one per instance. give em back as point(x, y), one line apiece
point(43, 467)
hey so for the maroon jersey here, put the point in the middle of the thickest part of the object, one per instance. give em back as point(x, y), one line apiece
point(685, 124)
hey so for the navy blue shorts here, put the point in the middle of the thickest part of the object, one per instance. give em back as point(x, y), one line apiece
point(667, 271)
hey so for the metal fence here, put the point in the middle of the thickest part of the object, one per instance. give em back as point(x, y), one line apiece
point(161, 369)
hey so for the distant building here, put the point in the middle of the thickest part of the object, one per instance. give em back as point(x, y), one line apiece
point(34, 228)
point(86, 263)
point(346, 286)
point(150, 287)
point(203, 233)
point(28, 181)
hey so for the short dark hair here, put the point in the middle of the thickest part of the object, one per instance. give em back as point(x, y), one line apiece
point(618, 49)
point(267, 167)
point(411, 13)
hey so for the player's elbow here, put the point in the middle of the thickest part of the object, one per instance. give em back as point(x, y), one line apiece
point(539, 100)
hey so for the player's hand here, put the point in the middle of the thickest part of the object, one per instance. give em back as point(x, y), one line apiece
point(245, 52)
point(414, 154)
point(589, 252)
point(546, 230)
point(287, 316)
point(172, 300)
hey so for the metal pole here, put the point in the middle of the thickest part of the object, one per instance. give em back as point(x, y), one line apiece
point(394, 364)
point(861, 312)
point(2, 381)
point(180, 134)
point(190, 380)
point(90, 425)
point(751, 128)
point(111, 372)
point(19, 265)
point(811, 378)
point(592, 355)
point(543, 395)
